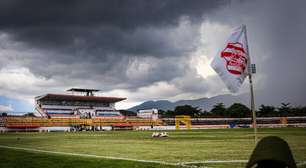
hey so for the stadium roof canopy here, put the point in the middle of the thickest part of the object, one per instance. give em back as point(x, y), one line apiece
point(65, 97)
point(83, 90)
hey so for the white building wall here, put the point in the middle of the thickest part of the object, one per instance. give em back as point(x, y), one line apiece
point(148, 114)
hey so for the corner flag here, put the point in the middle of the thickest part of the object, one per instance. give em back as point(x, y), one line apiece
point(231, 63)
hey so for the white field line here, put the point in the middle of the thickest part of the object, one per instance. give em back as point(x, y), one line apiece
point(216, 161)
point(183, 164)
point(88, 155)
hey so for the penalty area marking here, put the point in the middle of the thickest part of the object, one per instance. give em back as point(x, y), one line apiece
point(183, 164)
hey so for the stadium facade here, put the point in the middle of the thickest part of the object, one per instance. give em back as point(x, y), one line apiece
point(77, 103)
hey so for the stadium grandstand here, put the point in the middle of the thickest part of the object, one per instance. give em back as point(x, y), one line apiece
point(79, 103)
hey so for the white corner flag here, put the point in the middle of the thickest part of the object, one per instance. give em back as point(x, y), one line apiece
point(231, 63)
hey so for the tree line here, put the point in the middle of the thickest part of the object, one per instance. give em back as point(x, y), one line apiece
point(236, 110)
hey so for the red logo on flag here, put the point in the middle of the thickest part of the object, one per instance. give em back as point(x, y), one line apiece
point(235, 57)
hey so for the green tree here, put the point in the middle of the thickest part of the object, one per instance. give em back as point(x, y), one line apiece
point(238, 110)
point(187, 110)
point(266, 111)
point(168, 113)
point(161, 113)
point(4, 114)
point(128, 113)
point(298, 111)
point(29, 115)
point(284, 109)
point(205, 113)
point(165, 114)
point(218, 110)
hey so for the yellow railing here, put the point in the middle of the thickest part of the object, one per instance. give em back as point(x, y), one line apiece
point(44, 122)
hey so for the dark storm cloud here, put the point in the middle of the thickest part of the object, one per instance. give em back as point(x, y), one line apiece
point(124, 14)
point(98, 26)
point(98, 39)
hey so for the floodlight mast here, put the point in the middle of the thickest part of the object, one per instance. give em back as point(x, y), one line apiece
point(250, 71)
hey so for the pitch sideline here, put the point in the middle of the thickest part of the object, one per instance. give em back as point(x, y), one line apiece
point(183, 164)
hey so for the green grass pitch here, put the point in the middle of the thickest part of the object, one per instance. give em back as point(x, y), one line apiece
point(180, 147)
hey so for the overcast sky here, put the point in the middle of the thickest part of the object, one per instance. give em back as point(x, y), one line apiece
point(147, 50)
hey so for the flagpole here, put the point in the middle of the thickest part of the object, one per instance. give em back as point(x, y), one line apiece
point(251, 87)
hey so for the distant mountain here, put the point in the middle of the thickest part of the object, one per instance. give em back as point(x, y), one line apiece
point(159, 104)
point(203, 103)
